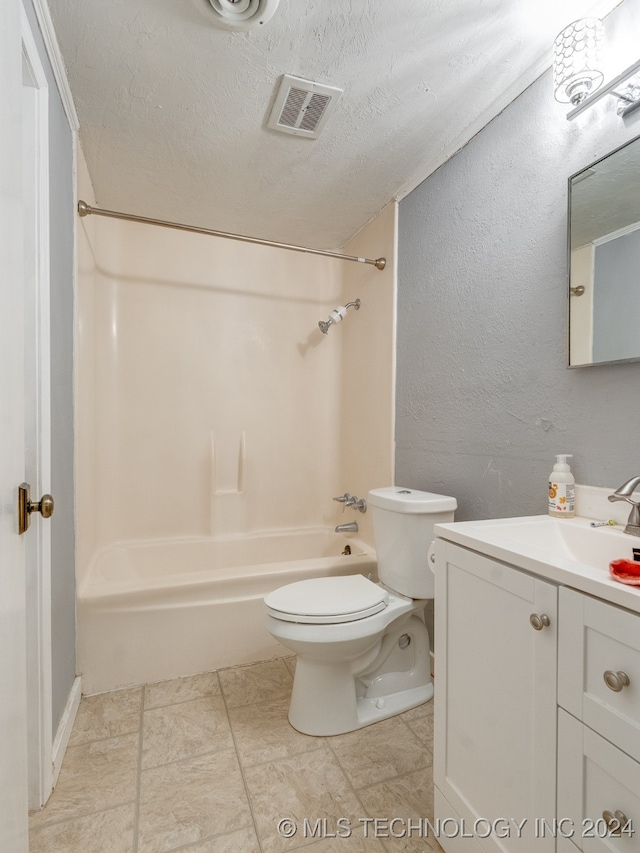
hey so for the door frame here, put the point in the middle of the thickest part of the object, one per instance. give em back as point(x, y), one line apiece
point(38, 395)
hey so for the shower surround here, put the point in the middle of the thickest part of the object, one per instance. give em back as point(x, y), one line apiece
point(211, 408)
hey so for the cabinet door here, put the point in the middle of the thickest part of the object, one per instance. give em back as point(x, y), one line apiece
point(495, 688)
point(600, 643)
point(596, 780)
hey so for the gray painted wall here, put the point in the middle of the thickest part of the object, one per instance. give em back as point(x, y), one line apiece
point(484, 398)
point(62, 206)
point(616, 299)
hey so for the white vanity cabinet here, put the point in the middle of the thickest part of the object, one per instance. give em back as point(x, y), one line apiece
point(536, 719)
point(495, 711)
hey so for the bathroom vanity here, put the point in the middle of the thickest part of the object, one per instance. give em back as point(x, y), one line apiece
point(537, 673)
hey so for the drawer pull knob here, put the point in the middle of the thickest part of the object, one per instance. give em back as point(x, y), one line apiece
point(616, 680)
point(539, 621)
point(616, 821)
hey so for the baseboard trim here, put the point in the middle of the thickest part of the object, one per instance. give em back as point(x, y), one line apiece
point(64, 729)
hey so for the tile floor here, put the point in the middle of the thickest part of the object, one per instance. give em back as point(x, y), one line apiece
point(210, 764)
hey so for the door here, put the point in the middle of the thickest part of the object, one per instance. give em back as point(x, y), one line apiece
point(37, 462)
point(13, 703)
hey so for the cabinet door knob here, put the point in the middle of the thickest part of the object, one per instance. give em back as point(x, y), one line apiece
point(616, 821)
point(616, 680)
point(539, 621)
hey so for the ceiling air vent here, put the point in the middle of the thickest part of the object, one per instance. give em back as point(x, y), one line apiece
point(302, 107)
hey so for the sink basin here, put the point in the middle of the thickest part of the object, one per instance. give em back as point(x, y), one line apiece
point(565, 538)
point(566, 551)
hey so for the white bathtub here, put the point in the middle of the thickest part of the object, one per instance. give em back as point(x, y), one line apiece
point(167, 608)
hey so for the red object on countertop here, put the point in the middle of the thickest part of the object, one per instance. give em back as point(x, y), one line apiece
point(625, 571)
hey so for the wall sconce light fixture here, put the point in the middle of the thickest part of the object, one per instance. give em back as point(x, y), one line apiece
point(576, 61)
point(577, 78)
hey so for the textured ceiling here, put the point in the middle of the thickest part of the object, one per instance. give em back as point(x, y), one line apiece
point(173, 110)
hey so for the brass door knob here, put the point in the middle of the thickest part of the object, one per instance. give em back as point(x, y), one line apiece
point(45, 506)
point(26, 506)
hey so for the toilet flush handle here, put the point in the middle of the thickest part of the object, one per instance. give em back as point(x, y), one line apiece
point(431, 556)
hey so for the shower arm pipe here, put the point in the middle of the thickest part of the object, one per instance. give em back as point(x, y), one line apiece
point(85, 209)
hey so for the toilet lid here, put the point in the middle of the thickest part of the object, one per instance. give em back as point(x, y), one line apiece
point(327, 600)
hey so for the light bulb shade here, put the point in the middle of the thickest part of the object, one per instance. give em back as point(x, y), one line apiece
point(576, 61)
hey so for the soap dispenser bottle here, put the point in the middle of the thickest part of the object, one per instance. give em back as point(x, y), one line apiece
point(562, 488)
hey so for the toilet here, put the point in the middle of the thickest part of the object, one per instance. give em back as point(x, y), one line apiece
point(363, 647)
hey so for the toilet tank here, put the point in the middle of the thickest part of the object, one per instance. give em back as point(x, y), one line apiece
point(403, 522)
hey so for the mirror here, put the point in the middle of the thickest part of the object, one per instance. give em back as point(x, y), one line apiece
point(604, 259)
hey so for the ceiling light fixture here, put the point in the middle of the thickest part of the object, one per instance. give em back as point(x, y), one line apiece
point(238, 14)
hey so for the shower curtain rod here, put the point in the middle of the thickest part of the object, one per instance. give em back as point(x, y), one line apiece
point(85, 209)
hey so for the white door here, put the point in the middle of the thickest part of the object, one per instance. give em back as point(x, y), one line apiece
point(37, 467)
point(13, 704)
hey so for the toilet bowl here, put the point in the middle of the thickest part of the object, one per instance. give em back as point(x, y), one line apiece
point(363, 647)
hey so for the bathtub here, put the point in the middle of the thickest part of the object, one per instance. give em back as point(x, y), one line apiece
point(149, 611)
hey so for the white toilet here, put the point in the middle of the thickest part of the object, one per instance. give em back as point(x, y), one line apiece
point(363, 648)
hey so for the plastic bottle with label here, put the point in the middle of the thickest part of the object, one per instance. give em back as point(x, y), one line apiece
point(562, 489)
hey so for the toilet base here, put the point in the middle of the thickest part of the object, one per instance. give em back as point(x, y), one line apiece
point(332, 697)
point(367, 712)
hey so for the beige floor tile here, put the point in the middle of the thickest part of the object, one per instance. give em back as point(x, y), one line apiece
point(379, 752)
point(185, 730)
point(257, 683)
point(422, 727)
point(243, 841)
point(95, 776)
point(105, 832)
point(310, 786)
point(107, 715)
point(359, 841)
point(193, 799)
point(181, 690)
point(424, 710)
point(263, 733)
point(291, 663)
point(407, 798)
point(189, 801)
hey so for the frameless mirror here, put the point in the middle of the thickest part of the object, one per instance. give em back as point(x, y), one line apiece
point(604, 259)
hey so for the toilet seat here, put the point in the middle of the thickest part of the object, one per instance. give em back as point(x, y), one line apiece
point(325, 601)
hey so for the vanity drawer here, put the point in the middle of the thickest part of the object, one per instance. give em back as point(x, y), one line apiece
point(596, 778)
point(597, 638)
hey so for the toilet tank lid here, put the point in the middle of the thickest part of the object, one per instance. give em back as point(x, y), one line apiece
point(414, 501)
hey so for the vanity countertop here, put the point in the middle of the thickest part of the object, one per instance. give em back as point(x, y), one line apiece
point(567, 551)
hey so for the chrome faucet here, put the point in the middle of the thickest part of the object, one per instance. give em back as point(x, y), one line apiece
point(624, 493)
point(351, 527)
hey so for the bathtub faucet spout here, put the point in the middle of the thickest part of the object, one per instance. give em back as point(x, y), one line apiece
point(352, 527)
